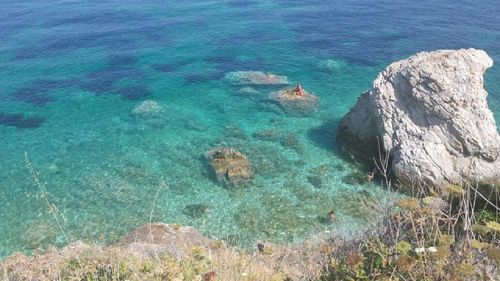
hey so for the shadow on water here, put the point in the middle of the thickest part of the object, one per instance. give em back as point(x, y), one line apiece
point(18, 120)
point(97, 17)
point(37, 93)
point(101, 81)
point(112, 30)
point(115, 60)
point(325, 135)
point(133, 92)
point(170, 67)
point(118, 67)
point(198, 78)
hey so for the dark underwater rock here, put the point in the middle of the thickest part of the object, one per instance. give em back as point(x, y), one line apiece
point(18, 120)
point(196, 210)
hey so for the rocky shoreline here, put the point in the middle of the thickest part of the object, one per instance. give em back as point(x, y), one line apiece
point(428, 114)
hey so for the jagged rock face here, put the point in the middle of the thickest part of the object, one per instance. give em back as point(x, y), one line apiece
point(429, 112)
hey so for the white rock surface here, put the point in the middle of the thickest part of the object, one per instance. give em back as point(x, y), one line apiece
point(430, 113)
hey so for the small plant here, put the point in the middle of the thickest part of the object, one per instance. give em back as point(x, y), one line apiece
point(446, 240)
point(493, 226)
point(403, 247)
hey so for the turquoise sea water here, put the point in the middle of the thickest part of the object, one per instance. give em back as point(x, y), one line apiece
point(71, 72)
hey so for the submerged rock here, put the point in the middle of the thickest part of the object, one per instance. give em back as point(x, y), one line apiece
point(331, 65)
point(291, 141)
point(230, 165)
point(255, 78)
point(267, 135)
point(429, 112)
point(40, 234)
point(196, 210)
point(147, 108)
point(294, 102)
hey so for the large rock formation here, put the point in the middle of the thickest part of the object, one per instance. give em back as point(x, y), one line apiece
point(429, 113)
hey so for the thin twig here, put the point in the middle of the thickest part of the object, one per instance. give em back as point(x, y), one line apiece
point(52, 207)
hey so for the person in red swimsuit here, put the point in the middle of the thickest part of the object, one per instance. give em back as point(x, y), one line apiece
point(299, 90)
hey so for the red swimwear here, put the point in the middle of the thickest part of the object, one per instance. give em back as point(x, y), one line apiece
point(299, 91)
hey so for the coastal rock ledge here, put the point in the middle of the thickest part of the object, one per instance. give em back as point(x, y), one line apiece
point(429, 114)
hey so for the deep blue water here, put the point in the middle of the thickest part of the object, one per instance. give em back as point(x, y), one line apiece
point(71, 72)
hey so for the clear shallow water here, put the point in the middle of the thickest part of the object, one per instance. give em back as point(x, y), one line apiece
point(75, 70)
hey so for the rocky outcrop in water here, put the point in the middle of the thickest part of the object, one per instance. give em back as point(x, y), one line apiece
point(255, 78)
point(429, 113)
point(230, 165)
point(147, 108)
point(295, 102)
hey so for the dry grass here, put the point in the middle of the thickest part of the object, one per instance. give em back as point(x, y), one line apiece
point(145, 261)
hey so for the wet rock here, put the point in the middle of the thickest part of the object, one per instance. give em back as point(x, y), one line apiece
point(196, 210)
point(255, 78)
point(230, 165)
point(431, 114)
point(147, 108)
point(295, 103)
